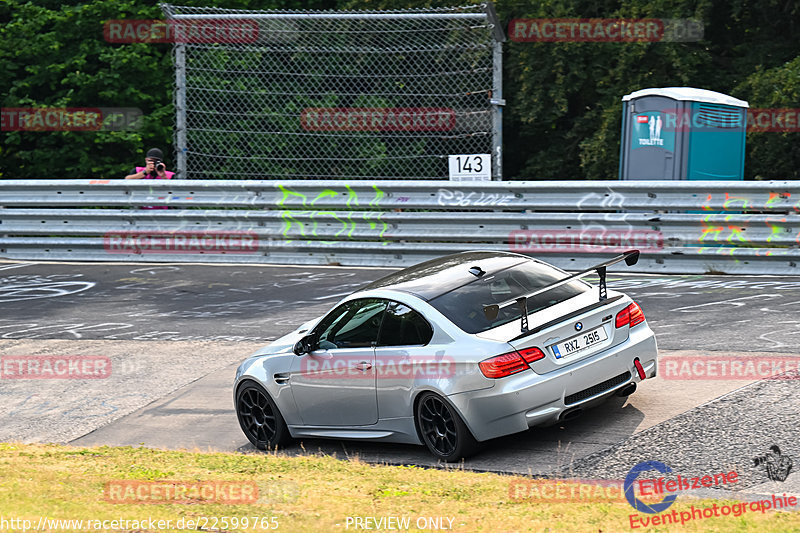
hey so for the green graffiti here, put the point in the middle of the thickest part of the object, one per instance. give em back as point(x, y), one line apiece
point(731, 231)
point(370, 222)
point(775, 230)
point(730, 200)
point(287, 193)
point(286, 216)
point(351, 196)
point(736, 232)
point(326, 193)
point(379, 194)
point(378, 197)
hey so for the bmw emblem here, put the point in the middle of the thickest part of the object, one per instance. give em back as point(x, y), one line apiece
point(578, 326)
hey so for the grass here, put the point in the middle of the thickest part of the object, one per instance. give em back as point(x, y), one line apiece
point(309, 493)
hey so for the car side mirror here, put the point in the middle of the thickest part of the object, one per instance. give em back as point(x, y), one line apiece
point(304, 345)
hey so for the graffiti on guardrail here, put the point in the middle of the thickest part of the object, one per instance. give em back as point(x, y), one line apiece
point(730, 202)
point(726, 233)
point(362, 215)
point(456, 198)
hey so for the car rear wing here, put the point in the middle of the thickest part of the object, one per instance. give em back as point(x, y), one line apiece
point(630, 257)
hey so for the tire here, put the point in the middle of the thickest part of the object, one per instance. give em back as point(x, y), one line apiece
point(259, 418)
point(442, 430)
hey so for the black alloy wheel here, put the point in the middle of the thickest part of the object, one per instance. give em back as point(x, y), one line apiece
point(259, 417)
point(442, 430)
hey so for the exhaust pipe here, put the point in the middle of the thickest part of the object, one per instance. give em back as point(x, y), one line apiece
point(571, 414)
point(627, 390)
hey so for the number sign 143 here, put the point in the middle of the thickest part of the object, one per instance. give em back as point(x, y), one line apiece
point(470, 167)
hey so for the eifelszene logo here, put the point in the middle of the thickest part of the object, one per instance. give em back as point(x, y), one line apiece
point(669, 487)
point(638, 504)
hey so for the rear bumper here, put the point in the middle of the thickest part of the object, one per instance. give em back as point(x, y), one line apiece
point(527, 399)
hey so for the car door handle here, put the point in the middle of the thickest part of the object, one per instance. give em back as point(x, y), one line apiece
point(363, 365)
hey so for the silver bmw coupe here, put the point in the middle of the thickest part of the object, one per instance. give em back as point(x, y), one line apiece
point(450, 353)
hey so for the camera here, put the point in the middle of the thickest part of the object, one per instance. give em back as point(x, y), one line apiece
point(758, 461)
point(159, 164)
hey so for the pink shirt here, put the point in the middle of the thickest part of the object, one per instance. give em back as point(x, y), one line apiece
point(149, 177)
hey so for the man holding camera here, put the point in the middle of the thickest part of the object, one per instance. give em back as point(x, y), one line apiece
point(154, 168)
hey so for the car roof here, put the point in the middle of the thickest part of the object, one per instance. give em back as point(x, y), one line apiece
point(435, 277)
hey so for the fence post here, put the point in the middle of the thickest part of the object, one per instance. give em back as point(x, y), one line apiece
point(180, 111)
point(497, 92)
point(497, 111)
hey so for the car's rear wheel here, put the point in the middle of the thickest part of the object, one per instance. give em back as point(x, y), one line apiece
point(259, 417)
point(442, 430)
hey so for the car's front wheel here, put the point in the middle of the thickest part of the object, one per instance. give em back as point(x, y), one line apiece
point(442, 430)
point(259, 417)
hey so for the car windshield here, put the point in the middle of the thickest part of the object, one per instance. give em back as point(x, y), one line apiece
point(464, 305)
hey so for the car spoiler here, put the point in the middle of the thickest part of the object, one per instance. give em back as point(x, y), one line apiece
point(630, 257)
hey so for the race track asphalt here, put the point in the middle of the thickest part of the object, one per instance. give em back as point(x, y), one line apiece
point(175, 334)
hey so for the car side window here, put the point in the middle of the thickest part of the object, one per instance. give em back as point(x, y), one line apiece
point(354, 324)
point(402, 326)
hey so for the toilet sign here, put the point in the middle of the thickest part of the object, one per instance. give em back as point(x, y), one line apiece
point(649, 130)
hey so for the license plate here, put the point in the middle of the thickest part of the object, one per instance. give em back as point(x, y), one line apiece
point(579, 342)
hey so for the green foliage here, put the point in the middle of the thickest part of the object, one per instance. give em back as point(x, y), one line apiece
point(564, 113)
point(773, 154)
point(56, 56)
point(562, 119)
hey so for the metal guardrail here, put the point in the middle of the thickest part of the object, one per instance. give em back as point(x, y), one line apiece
point(681, 227)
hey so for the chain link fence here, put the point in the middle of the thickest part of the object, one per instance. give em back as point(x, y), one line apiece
point(335, 94)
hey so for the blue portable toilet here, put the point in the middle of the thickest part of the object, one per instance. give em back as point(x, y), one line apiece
point(682, 133)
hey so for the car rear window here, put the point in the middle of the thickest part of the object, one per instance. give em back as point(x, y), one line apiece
point(464, 305)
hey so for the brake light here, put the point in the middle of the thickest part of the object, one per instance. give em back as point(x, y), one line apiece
point(623, 317)
point(504, 365)
point(531, 354)
point(637, 315)
point(630, 316)
point(510, 363)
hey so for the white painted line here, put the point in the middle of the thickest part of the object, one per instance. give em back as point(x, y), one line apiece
point(8, 267)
